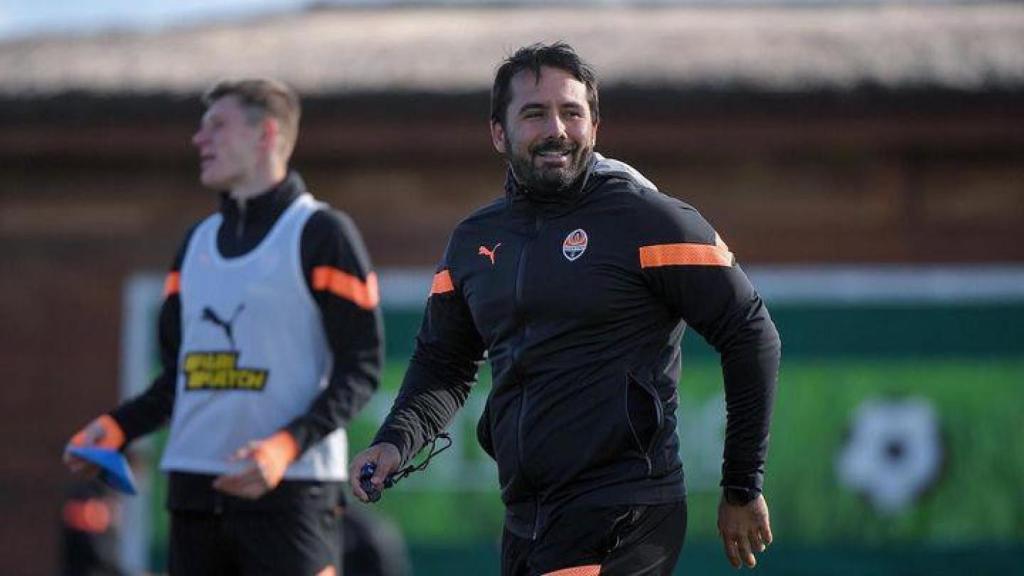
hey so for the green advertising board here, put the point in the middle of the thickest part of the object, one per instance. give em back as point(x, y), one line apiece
point(893, 447)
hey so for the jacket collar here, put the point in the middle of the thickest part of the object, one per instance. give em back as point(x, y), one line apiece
point(266, 206)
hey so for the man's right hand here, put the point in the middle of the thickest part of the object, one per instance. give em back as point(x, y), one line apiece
point(384, 456)
point(745, 530)
point(103, 432)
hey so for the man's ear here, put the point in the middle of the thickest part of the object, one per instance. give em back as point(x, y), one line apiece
point(271, 133)
point(498, 136)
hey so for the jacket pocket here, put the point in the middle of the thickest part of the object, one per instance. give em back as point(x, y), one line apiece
point(483, 431)
point(644, 413)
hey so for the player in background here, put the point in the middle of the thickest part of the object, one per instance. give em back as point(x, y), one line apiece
point(270, 338)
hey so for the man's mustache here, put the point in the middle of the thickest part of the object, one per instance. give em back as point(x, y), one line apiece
point(554, 146)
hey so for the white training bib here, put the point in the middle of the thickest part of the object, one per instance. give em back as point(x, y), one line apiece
point(254, 354)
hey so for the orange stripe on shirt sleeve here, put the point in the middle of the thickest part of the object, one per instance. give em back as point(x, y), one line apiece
point(172, 284)
point(442, 283)
point(588, 570)
point(343, 285)
point(686, 254)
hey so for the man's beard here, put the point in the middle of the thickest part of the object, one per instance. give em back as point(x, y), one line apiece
point(549, 180)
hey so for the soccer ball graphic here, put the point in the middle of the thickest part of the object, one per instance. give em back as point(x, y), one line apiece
point(893, 453)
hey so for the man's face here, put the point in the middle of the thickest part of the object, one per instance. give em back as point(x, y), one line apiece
point(549, 133)
point(230, 145)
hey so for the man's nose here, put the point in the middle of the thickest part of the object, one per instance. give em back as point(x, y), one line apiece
point(555, 127)
point(198, 138)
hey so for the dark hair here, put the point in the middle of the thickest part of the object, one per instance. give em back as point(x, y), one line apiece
point(558, 55)
point(263, 97)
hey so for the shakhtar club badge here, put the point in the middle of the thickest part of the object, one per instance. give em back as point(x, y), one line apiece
point(575, 244)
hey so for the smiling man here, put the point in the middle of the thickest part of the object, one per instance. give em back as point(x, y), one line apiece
point(578, 284)
point(270, 341)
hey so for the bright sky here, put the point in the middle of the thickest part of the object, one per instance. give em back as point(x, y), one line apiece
point(19, 18)
point(27, 17)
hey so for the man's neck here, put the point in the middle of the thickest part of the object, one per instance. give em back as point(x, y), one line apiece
point(253, 187)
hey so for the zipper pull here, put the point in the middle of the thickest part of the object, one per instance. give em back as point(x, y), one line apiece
point(240, 224)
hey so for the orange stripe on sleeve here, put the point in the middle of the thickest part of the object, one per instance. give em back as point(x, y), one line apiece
point(103, 432)
point(686, 255)
point(172, 284)
point(91, 516)
point(351, 288)
point(589, 570)
point(442, 283)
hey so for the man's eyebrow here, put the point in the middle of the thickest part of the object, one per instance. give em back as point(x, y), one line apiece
point(531, 106)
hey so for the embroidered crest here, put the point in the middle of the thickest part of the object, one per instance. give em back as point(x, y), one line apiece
point(575, 244)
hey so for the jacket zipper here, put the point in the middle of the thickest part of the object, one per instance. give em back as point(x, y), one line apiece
point(517, 352)
point(520, 273)
point(240, 224)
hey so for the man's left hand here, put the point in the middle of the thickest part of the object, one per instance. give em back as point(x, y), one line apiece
point(267, 461)
point(745, 530)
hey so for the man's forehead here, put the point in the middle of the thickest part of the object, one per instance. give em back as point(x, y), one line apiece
point(224, 106)
point(526, 82)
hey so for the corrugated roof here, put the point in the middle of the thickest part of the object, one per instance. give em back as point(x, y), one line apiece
point(341, 51)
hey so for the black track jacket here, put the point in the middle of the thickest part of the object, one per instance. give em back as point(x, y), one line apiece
point(580, 303)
